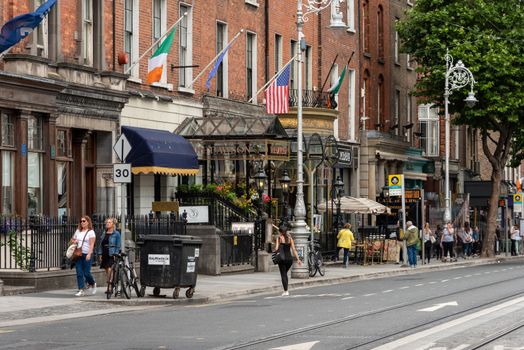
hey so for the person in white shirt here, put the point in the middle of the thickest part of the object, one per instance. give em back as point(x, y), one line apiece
point(85, 238)
point(515, 240)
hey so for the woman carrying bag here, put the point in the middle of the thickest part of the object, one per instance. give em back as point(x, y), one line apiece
point(110, 244)
point(85, 238)
point(285, 247)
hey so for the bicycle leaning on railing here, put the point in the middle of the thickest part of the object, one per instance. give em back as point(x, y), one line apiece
point(314, 257)
point(123, 278)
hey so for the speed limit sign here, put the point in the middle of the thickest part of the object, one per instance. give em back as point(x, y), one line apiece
point(122, 173)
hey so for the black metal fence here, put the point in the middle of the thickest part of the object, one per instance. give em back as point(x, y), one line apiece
point(236, 249)
point(39, 243)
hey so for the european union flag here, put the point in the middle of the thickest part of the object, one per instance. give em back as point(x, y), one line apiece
point(19, 27)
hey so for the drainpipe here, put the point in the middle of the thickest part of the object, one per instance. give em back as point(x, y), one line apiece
point(114, 35)
point(266, 30)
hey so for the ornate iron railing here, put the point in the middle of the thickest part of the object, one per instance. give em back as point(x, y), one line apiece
point(310, 98)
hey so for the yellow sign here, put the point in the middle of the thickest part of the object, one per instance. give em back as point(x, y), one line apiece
point(395, 183)
point(517, 203)
point(165, 206)
point(235, 240)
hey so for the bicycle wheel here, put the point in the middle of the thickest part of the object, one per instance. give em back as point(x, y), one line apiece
point(116, 280)
point(134, 282)
point(320, 267)
point(311, 265)
point(125, 286)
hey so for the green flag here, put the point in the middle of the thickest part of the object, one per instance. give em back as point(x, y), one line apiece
point(334, 89)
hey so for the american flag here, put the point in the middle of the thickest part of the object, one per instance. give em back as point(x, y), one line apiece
point(277, 94)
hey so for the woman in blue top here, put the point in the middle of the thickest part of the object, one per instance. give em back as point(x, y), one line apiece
point(110, 243)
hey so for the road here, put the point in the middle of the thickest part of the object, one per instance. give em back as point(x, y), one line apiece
point(460, 308)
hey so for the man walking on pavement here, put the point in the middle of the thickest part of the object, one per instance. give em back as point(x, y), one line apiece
point(411, 241)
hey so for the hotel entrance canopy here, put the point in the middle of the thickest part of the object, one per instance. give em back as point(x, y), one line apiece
point(237, 137)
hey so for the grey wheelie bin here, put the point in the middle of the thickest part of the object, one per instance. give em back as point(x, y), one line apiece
point(169, 261)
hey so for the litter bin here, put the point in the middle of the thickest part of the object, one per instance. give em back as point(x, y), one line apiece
point(169, 261)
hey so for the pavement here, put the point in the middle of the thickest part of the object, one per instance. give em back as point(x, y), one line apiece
point(62, 304)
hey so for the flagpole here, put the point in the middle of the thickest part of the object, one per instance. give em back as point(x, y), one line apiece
point(330, 69)
point(156, 42)
point(214, 59)
point(272, 79)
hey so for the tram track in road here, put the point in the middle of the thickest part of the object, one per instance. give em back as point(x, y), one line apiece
point(495, 336)
point(418, 327)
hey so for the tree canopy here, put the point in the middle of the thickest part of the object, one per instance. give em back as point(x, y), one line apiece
point(488, 36)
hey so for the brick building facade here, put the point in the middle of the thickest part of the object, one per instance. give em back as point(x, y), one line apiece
point(74, 62)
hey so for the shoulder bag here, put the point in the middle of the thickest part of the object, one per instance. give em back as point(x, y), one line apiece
point(78, 251)
point(278, 256)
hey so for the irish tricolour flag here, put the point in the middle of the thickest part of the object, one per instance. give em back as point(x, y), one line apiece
point(157, 63)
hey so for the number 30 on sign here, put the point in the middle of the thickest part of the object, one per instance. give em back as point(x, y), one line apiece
point(122, 173)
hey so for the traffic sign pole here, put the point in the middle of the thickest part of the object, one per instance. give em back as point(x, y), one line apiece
point(404, 245)
point(122, 147)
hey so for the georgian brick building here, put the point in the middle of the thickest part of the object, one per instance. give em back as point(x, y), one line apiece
point(57, 135)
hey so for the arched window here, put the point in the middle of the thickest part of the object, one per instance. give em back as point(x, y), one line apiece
point(366, 99)
point(380, 101)
point(365, 25)
point(380, 32)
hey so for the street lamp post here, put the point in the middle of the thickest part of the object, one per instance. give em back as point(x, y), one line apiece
point(260, 182)
point(457, 76)
point(339, 186)
point(300, 234)
point(284, 184)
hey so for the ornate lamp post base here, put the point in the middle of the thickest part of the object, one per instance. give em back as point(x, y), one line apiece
point(300, 235)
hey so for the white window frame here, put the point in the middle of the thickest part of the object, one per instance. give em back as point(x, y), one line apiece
point(278, 52)
point(252, 36)
point(428, 114)
point(350, 16)
point(252, 3)
point(379, 106)
point(397, 111)
point(456, 130)
point(8, 181)
point(163, 28)
point(337, 16)
point(87, 32)
point(294, 66)
point(135, 71)
point(409, 117)
point(409, 66)
point(225, 61)
point(40, 33)
point(333, 79)
point(396, 46)
point(188, 53)
point(352, 103)
point(308, 67)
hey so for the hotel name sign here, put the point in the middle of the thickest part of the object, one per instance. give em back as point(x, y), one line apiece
point(244, 149)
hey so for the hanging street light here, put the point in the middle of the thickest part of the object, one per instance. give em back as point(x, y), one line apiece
point(457, 76)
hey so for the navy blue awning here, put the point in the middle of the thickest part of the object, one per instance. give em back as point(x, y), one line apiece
point(159, 152)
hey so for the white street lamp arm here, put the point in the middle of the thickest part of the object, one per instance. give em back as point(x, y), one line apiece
point(457, 76)
point(315, 6)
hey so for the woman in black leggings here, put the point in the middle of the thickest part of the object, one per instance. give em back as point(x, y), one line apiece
point(286, 246)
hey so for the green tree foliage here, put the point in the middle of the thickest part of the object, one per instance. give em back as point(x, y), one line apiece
point(488, 36)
